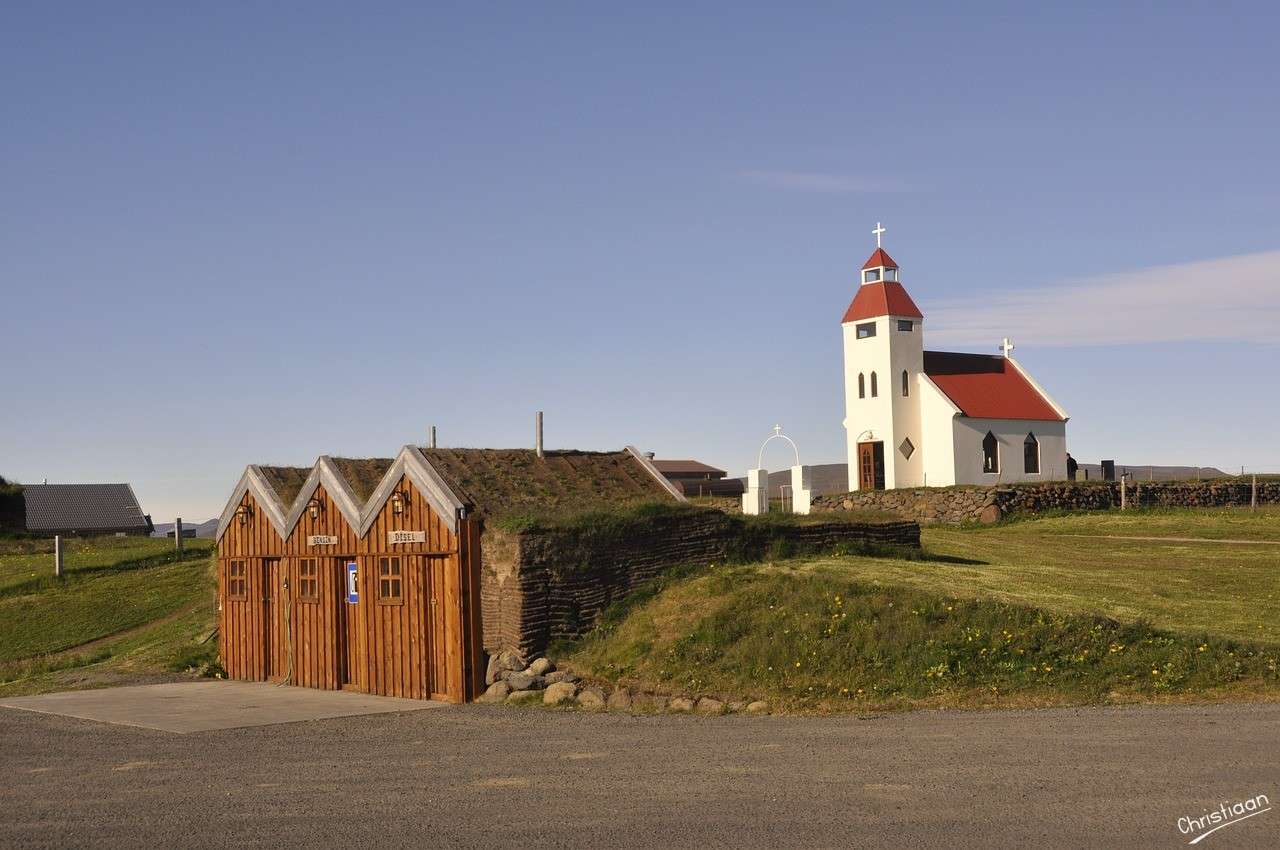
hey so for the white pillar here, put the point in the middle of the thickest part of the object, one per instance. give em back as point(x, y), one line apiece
point(57, 555)
point(177, 535)
point(756, 500)
point(801, 490)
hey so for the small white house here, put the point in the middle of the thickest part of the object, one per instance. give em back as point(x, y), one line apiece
point(934, 418)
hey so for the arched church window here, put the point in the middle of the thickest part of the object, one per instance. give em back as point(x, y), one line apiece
point(1031, 454)
point(906, 388)
point(990, 454)
point(874, 390)
point(862, 385)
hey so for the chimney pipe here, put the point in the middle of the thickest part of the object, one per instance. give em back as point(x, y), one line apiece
point(538, 442)
point(432, 442)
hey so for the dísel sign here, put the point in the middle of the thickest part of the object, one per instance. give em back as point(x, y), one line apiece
point(406, 537)
point(353, 590)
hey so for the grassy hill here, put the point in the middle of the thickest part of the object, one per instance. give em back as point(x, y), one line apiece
point(1052, 611)
point(128, 609)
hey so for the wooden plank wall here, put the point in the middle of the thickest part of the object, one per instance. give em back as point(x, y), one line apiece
point(426, 646)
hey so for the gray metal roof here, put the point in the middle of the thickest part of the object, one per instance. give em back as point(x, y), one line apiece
point(82, 507)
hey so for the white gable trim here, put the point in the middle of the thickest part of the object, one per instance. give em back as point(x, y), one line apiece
point(335, 485)
point(648, 467)
point(410, 462)
point(1036, 386)
point(253, 481)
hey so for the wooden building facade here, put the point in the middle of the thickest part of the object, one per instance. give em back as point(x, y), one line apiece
point(365, 575)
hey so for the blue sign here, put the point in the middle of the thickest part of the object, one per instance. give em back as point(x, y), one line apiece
point(353, 590)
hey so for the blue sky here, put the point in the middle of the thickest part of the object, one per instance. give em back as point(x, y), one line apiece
point(261, 232)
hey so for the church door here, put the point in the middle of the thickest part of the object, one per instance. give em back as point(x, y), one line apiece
point(871, 466)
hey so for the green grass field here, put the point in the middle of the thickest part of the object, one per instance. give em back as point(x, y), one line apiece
point(127, 607)
point(1045, 611)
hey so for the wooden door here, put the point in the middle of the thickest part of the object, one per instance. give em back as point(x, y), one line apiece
point(348, 631)
point(437, 640)
point(273, 602)
point(866, 466)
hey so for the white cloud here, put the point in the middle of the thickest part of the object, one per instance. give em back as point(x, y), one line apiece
point(1236, 298)
point(812, 181)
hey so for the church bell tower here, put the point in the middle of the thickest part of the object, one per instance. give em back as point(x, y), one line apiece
point(883, 361)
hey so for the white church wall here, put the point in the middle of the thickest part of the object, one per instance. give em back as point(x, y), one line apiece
point(1010, 434)
point(939, 449)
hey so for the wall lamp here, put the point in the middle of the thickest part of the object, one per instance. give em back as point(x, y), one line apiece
point(243, 513)
point(398, 502)
point(313, 508)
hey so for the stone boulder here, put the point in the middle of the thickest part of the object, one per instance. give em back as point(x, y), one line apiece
point(496, 692)
point(683, 704)
point(758, 707)
point(592, 699)
point(541, 667)
point(559, 693)
point(525, 681)
point(560, 676)
point(517, 697)
point(707, 705)
point(620, 700)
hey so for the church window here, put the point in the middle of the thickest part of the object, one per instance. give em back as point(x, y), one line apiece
point(907, 448)
point(875, 391)
point(862, 385)
point(906, 384)
point(905, 324)
point(866, 329)
point(890, 274)
point(1031, 454)
point(990, 454)
point(870, 275)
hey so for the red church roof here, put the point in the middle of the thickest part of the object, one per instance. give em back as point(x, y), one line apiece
point(884, 298)
point(987, 387)
point(879, 258)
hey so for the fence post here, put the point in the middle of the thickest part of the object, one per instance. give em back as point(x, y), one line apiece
point(1253, 492)
point(1123, 505)
point(177, 535)
point(57, 556)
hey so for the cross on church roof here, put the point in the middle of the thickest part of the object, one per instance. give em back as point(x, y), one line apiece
point(1006, 345)
point(879, 230)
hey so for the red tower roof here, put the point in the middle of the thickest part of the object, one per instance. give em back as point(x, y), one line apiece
point(883, 298)
point(878, 259)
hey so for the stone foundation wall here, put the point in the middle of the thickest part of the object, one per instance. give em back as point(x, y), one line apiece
point(541, 585)
point(990, 504)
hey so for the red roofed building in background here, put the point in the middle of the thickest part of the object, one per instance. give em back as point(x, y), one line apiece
point(933, 418)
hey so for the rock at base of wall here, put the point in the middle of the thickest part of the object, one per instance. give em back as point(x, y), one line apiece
point(523, 696)
point(707, 705)
point(524, 681)
point(559, 693)
point(681, 704)
point(560, 676)
point(620, 700)
point(496, 692)
point(541, 667)
point(990, 514)
point(591, 699)
point(758, 707)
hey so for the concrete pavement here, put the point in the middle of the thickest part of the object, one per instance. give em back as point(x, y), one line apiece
point(208, 705)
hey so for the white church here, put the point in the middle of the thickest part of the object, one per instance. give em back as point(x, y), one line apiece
point(935, 418)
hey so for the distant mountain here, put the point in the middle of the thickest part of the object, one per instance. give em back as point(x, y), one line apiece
point(203, 529)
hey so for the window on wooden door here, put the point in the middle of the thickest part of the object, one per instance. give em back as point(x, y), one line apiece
point(390, 581)
point(237, 581)
point(308, 580)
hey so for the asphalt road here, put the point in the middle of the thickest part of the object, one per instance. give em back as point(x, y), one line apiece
point(498, 777)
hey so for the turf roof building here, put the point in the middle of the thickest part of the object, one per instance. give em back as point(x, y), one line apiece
point(369, 574)
point(916, 417)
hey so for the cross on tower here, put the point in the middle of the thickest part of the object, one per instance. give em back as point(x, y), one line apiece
point(1006, 345)
point(879, 229)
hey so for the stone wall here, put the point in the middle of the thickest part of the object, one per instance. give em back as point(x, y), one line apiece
point(544, 584)
point(990, 504)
